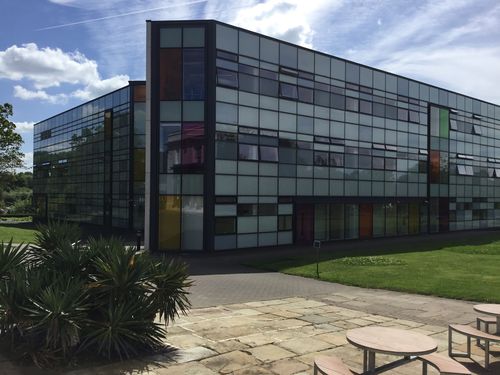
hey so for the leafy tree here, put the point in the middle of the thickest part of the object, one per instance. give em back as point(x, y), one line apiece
point(11, 156)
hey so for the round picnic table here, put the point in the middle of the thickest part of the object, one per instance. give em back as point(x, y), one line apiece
point(490, 309)
point(385, 340)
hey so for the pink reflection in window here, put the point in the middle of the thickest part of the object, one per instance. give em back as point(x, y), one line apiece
point(193, 147)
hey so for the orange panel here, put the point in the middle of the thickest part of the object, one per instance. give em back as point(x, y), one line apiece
point(434, 166)
point(365, 220)
point(170, 74)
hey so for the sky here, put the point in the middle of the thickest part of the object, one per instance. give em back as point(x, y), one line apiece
point(56, 54)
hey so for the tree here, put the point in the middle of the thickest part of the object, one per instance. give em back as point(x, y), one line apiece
point(11, 156)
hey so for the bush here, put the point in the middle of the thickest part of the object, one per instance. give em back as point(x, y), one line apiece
point(61, 298)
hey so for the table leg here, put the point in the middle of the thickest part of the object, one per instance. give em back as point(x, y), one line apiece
point(365, 360)
point(498, 324)
point(371, 361)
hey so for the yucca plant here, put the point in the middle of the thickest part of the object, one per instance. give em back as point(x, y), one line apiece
point(61, 298)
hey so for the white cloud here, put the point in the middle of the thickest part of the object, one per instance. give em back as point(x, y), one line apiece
point(101, 87)
point(28, 160)
point(52, 67)
point(46, 67)
point(25, 94)
point(24, 126)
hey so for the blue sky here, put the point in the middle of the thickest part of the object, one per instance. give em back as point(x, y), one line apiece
point(55, 54)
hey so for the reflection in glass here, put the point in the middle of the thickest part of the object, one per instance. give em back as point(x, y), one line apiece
point(170, 146)
point(192, 222)
point(193, 147)
point(193, 74)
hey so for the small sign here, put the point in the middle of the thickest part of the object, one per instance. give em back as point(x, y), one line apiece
point(317, 244)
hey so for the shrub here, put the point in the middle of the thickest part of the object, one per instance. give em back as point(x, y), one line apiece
point(62, 298)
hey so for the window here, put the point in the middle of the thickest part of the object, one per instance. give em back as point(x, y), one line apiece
point(465, 170)
point(248, 83)
point(193, 74)
point(268, 153)
point(288, 91)
point(227, 78)
point(391, 112)
point(322, 98)
point(351, 161)
point(378, 109)
point(378, 162)
point(402, 114)
point(365, 162)
point(365, 107)
point(453, 125)
point(321, 158)
point(415, 117)
point(476, 129)
point(304, 157)
point(306, 95)
point(338, 101)
point(247, 209)
point(269, 87)
point(170, 74)
point(46, 134)
point(285, 222)
point(390, 164)
point(268, 209)
point(225, 225)
point(170, 145)
point(248, 152)
point(351, 104)
point(305, 124)
point(336, 160)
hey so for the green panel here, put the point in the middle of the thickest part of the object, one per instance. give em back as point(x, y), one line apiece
point(444, 123)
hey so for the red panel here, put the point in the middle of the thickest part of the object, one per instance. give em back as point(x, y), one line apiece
point(304, 225)
point(365, 220)
point(193, 147)
point(171, 74)
point(434, 167)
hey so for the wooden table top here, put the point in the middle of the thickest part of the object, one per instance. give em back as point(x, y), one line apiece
point(391, 341)
point(488, 308)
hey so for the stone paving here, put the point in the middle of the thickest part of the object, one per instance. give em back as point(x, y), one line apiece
point(279, 336)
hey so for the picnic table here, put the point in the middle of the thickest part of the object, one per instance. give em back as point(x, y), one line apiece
point(392, 341)
point(490, 309)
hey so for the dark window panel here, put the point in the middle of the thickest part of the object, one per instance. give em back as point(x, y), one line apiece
point(304, 157)
point(415, 117)
point(248, 69)
point(352, 104)
point(225, 225)
point(225, 199)
point(365, 107)
point(227, 78)
point(377, 163)
point(336, 159)
point(287, 170)
point(391, 112)
point(248, 83)
point(285, 223)
point(287, 155)
point(170, 73)
point(365, 162)
point(247, 209)
point(338, 101)
point(321, 158)
point(322, 98)
point(269, 87)
point(402, 114)
point(227, 55)
point(288, 91)
point(248, 152)
point(306, 95)
point(193, 74)
point(226, 150)
point(268, 74)
point(268, 141)
point(305, 124)
point(351, 161)
point(390, 164)
point(268, 153)
point(268, 209)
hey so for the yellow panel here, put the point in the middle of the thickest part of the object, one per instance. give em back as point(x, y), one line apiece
point(414, 218)
point(169, 224)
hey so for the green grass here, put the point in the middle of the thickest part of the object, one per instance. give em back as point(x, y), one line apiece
point(19, 232)
point(461, 271)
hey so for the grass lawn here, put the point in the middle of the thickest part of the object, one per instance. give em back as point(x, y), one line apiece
point(20, 232)
point(466, 271)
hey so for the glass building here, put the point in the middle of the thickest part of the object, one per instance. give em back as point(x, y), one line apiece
point(251, 141)
point(88, 162)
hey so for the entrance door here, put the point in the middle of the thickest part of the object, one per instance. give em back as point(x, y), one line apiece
point(304, 223)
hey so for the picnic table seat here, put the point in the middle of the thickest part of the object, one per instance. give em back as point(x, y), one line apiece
point(329, 365)
point(445, 365)
point(471, 332)
point(487, 321)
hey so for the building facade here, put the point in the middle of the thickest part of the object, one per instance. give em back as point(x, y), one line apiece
point(88, 162)
point(251, 141)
